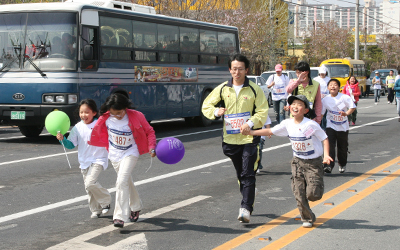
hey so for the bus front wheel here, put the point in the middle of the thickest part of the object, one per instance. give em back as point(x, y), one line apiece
point(201, 120)
point(31, 131)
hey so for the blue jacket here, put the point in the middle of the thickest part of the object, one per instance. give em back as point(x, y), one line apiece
point(397, 88)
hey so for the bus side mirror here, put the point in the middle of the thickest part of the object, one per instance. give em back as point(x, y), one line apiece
point(87, 52)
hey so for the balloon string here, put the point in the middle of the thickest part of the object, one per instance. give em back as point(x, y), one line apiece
point(151, 163)
point(66, 154)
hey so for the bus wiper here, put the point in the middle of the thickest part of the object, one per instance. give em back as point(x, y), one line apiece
point(9, 63)
point(34, 65)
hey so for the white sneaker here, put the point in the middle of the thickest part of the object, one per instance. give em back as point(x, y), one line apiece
point(244, 215)
point(376, 103)
point(105, 209)
point(388, 102)
point(95, 215)
point(307, 224)
point(342, 169)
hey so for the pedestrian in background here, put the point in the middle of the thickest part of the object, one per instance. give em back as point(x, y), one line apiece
point(338, 106)
point(261, 145)
point(304, 85)
point(323, 80)
point(368, 84)
point(351, 89)
point(376, 82)
point(307, 172)
point(245, 107)
point(390, 80)
point(126, 134)
point(92, 160)
point(278, 82)
point(397, 89)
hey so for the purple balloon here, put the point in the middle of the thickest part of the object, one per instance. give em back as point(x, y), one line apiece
point(170, 150)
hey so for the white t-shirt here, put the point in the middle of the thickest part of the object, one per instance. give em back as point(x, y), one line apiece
point(323, 83)
point(120, 139)
point(333, 105)
point(268, 122)
point(378, 83)
point(305, 137)
point(397, 78)
point(87, 154)
point(278, 91)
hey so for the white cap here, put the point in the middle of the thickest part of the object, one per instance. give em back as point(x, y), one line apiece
point(322, 70)
point(376, 72)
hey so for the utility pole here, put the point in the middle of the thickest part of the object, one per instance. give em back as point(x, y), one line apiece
point(272, 51)
point(357, 33)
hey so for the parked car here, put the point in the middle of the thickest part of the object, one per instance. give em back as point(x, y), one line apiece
point(262, 83)
point(314, 72)
point(383, 73)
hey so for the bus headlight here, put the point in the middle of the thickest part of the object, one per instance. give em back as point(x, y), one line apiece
point(49, 98)
point(72, 98)
point(60, 99)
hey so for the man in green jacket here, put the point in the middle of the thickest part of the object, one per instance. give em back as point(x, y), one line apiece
point(244, 108)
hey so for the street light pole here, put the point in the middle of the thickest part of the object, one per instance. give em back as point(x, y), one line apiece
point(356, 33)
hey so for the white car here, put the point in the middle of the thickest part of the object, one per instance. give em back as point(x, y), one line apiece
point(262, 83)
point(313, 73)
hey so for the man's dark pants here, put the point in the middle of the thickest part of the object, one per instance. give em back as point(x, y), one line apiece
point(245, 160)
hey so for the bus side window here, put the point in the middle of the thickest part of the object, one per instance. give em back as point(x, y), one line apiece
point(89, 50)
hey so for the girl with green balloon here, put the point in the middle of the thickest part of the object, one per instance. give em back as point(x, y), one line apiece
point(93, 160)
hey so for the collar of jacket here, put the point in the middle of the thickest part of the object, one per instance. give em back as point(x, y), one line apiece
point(246, 82)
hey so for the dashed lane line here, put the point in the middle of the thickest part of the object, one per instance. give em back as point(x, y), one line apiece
point(292, 214)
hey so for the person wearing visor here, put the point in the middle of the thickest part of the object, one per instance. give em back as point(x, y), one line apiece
point(323, 80)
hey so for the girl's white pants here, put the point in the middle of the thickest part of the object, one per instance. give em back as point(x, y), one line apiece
point(99, 197)
point(127, 198)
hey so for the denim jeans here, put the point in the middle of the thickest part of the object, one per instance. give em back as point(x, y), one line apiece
point(398, 105)
point(377, 93)
point(279, 111)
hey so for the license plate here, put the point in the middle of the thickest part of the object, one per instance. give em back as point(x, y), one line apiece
point(17, 115)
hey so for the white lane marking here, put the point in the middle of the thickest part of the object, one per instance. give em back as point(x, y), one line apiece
point(79, 242)
point(19, 137)
point(36, 158)
point(82, 198)
point(8, 227)
point(365, 107)
point(2, 186)
point(54, 155)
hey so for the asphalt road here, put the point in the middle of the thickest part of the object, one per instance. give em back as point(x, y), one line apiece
point(194, 204)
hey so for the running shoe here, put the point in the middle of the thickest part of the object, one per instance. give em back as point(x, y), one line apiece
point(134, 216)
point(244, 215)
point(95, 215)
point(376, 103)
point(353, 123)
point(342, 169)
point(307, 224)
point(118, 223)
point(106, 209)
point(328, 169)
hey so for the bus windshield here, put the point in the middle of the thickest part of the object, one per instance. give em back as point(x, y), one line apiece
point(338, 70)
point(38, 41)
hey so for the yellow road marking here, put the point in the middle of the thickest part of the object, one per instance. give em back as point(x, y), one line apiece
point(289, 215)
point(294, 235)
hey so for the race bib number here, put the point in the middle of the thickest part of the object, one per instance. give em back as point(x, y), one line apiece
point(233, 122)
point(279, 90)
point(120, 140)
point(336, 118)
point(302, 145)
point(391, 81)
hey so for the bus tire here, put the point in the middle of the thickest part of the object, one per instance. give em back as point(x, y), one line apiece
point(31, 131)
point(201, 120)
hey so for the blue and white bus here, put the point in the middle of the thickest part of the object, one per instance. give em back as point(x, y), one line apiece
point(52, 55)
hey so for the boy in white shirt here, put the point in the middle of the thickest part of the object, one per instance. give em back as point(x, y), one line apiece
point(307, 171)
point(339, 106)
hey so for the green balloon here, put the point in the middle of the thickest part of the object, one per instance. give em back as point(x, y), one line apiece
point(57, 121)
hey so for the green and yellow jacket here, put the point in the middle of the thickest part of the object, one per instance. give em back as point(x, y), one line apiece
point(247, 101)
